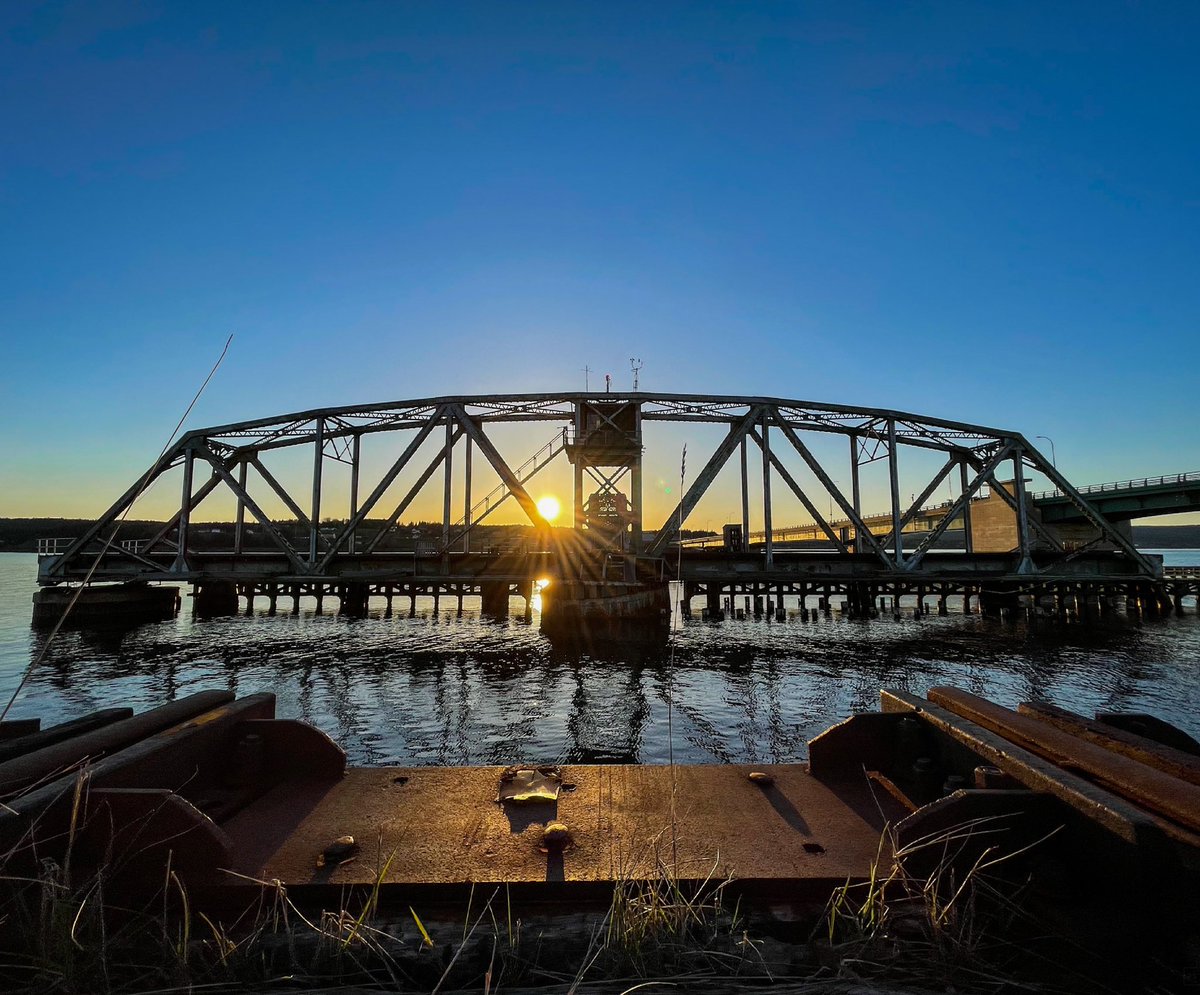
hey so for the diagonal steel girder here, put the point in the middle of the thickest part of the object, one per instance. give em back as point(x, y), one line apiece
point(469, 526)
point(206, 454)
point(972, 445)
point(126, 500)
point(210, 485)
point(801, 495)
point(380, 489)
point(981, 477)
point(394, 518)
point(921, 498)
point(860, 528)
point(511, 481)
point(703, 479)
point(1047, 467)
point(281, 493)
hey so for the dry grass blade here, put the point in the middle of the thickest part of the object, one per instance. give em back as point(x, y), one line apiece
point(425, 938)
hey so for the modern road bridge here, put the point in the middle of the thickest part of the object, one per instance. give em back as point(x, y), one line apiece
point(1125, 500)
point(1117, 501)
point(816, 454)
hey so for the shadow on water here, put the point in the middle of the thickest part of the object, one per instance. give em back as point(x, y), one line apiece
point(633, 642)
point(104, 638)
point(444, 688)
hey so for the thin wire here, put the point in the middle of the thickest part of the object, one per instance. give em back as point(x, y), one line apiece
point(671, 666)
point(145, 482)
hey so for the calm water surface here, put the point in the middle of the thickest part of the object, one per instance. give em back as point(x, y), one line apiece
point(442, 689)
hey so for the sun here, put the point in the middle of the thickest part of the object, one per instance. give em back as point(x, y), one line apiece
point(548, 507)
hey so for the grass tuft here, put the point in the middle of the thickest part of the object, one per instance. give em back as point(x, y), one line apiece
point(962, 927)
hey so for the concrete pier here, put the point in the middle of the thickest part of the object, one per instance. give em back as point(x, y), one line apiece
point(104, 604)
point(353, 600)
point(494, 600)
point(214, 598)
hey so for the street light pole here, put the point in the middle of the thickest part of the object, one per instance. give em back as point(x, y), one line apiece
point(1053, 457)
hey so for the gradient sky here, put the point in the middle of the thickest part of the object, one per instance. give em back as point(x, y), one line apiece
point(984, 212)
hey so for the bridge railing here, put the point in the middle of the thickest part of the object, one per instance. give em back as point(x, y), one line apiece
point(1181, 573)
point(1166, 479)
point(781, 534)
point(58, 546)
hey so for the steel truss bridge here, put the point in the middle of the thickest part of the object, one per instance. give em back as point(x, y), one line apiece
point(1119, 500)
point(601, 436)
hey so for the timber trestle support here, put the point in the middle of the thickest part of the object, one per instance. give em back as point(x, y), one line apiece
point(353, 598)
point(1066, 600)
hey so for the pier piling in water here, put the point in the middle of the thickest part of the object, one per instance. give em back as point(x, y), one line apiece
point(105, 604)
point(352, 600)
point(214, 598)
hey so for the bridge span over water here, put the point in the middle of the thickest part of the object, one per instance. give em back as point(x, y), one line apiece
point(1118, 501)
point(314, 538)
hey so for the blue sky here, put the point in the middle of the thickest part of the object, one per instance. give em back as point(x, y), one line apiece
point(976, 211)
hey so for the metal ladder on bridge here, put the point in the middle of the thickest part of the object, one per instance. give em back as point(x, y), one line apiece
point(501, 492)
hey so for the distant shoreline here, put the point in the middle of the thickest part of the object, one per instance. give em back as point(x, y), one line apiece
point(20, 535)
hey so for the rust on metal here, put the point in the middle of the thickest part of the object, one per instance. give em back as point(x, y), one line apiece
point(20, 772)
point(1184, 766)
point(232, 796)
point(441, 826)
point(1162, 793)
point(1109, 810)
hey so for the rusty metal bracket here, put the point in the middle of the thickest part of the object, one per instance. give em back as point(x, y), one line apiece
point(1145, 786)
point(1118, 816)
point(1185, 766)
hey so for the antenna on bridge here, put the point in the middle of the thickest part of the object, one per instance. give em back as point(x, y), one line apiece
point(636, 365)
point(586, 371)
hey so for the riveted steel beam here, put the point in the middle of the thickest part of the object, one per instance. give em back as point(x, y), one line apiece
point(285, 547)
point(703, 479)
point(338, 432)
point(962, 502)
point(804, 499)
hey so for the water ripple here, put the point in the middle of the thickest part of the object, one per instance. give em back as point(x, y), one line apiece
point(437, 688)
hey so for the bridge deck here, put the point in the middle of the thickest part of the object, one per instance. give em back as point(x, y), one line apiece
point(701, 565)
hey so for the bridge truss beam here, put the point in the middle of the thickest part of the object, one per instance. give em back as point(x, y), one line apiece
point(234, 456)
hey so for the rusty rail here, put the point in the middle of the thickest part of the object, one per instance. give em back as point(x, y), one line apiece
point(1144, 785)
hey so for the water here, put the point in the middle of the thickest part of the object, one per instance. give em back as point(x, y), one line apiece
point(446, 690)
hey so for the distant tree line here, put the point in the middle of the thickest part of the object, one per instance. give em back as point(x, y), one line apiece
point(20, 535)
